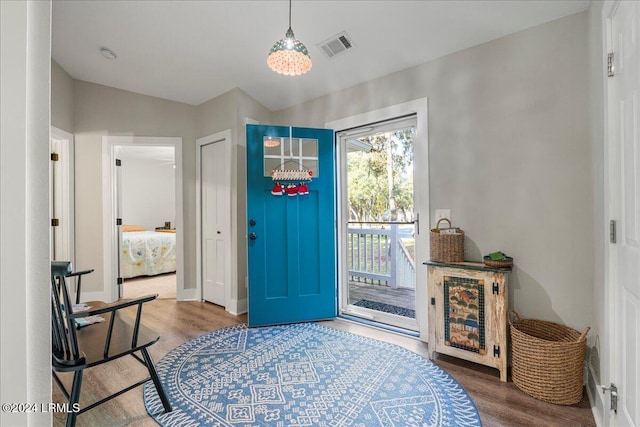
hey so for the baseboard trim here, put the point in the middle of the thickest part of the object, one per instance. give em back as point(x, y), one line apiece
point(237, 307)
point(190, 294)
point(596, 399)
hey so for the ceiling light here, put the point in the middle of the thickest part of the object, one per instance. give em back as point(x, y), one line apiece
point(271, 142)
point(289, 56)
point(108, 53)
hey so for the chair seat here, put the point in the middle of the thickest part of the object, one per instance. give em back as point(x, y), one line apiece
point(92, 339)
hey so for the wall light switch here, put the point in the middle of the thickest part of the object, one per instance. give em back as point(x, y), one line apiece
point(443, 213)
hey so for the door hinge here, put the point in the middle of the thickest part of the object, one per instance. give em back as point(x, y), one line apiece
point(118, 221)
point(614, 396)
point(55, 222)
point(495, 289)
point(610, 64)
point(612, 231)
point(55, 157)
point(496, 351)
point(118, 162)
point(120, 281)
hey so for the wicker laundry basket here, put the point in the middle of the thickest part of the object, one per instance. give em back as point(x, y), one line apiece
point(547, 359)
point(446, 244)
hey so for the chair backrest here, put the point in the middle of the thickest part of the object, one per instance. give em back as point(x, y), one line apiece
point(65, 350)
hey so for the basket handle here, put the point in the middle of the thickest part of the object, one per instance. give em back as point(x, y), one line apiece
point(440, 220)
point(513, 313)
point(584, 334)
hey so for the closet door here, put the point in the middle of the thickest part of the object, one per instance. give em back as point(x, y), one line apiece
point(215, 205)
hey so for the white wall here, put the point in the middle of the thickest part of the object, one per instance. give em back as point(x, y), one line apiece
point(100, 111)
point(25, 353)
point(509, 153)
point(228, 111)
point(62, 98)
point(148, 192)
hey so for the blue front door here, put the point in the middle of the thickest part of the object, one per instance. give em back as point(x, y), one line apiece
point(291, 225)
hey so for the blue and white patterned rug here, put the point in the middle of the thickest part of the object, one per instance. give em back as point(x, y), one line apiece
point(304, 375)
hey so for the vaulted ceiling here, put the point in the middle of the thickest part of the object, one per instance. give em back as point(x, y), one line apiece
point(193, 51)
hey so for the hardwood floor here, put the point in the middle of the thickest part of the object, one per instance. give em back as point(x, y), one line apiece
point(499, 404)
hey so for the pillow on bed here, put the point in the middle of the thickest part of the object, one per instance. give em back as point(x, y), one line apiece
point(129, 227)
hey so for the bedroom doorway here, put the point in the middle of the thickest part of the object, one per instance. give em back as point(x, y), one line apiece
point(147, 208)
point(154, 244)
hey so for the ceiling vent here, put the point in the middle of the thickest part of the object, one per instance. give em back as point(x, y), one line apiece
point(336, 45)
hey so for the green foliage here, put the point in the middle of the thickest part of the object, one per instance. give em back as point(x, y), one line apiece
point(381, 180)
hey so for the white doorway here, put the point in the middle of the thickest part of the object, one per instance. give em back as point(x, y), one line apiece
point(62, 195)
point(356, 126)
point(112, 227)
point(213, 207)
point(377, 198)
point(623, 186)
point(148, 211)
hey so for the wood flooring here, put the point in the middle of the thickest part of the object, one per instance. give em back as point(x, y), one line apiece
point(499, 404)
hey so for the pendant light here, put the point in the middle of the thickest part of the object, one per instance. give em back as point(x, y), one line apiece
point(289, 56)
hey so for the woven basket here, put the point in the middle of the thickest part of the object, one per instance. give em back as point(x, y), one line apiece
point(547, 359)
point(504, 263)
point(446, 247)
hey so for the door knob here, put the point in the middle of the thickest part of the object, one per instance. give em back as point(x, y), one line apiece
point(253, 236)
point(252, 222)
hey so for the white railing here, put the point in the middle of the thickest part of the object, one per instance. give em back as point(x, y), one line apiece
point(378, 255)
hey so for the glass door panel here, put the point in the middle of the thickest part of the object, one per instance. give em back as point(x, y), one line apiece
point(381, 259)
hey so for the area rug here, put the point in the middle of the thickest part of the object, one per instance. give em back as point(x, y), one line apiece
point(304, 375)
point(386, 308)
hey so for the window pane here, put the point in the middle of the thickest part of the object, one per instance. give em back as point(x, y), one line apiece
point(309, 147)
point(295, 147)
point(271, 164)
point(272, 145)
point(313, 166)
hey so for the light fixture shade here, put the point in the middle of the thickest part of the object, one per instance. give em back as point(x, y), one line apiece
point(271, 142)
point(289, 56)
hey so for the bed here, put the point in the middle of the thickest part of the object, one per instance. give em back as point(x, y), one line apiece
point(147, 253)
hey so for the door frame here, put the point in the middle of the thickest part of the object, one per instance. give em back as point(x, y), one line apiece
point(223, 137)
point(67, 199)
point(609, 344)
point(419, 107)
point(109, 213)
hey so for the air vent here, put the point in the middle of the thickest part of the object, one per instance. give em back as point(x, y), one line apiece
point(336, 45)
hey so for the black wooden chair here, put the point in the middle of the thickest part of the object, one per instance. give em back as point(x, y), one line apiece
point(76, 349)
point(79, 275)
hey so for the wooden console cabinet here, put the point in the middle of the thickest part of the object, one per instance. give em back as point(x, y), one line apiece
point(468, 313)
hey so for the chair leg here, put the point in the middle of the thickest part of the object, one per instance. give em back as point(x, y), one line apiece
point(74, 398)
point(156, 380)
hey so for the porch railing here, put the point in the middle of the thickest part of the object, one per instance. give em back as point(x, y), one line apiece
point(378, 255)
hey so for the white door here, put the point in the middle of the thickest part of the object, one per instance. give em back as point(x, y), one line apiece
point(215, 214)
point(626, 195)
point(380, 257)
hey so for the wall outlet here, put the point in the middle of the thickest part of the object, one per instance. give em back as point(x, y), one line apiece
point(443, 213)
